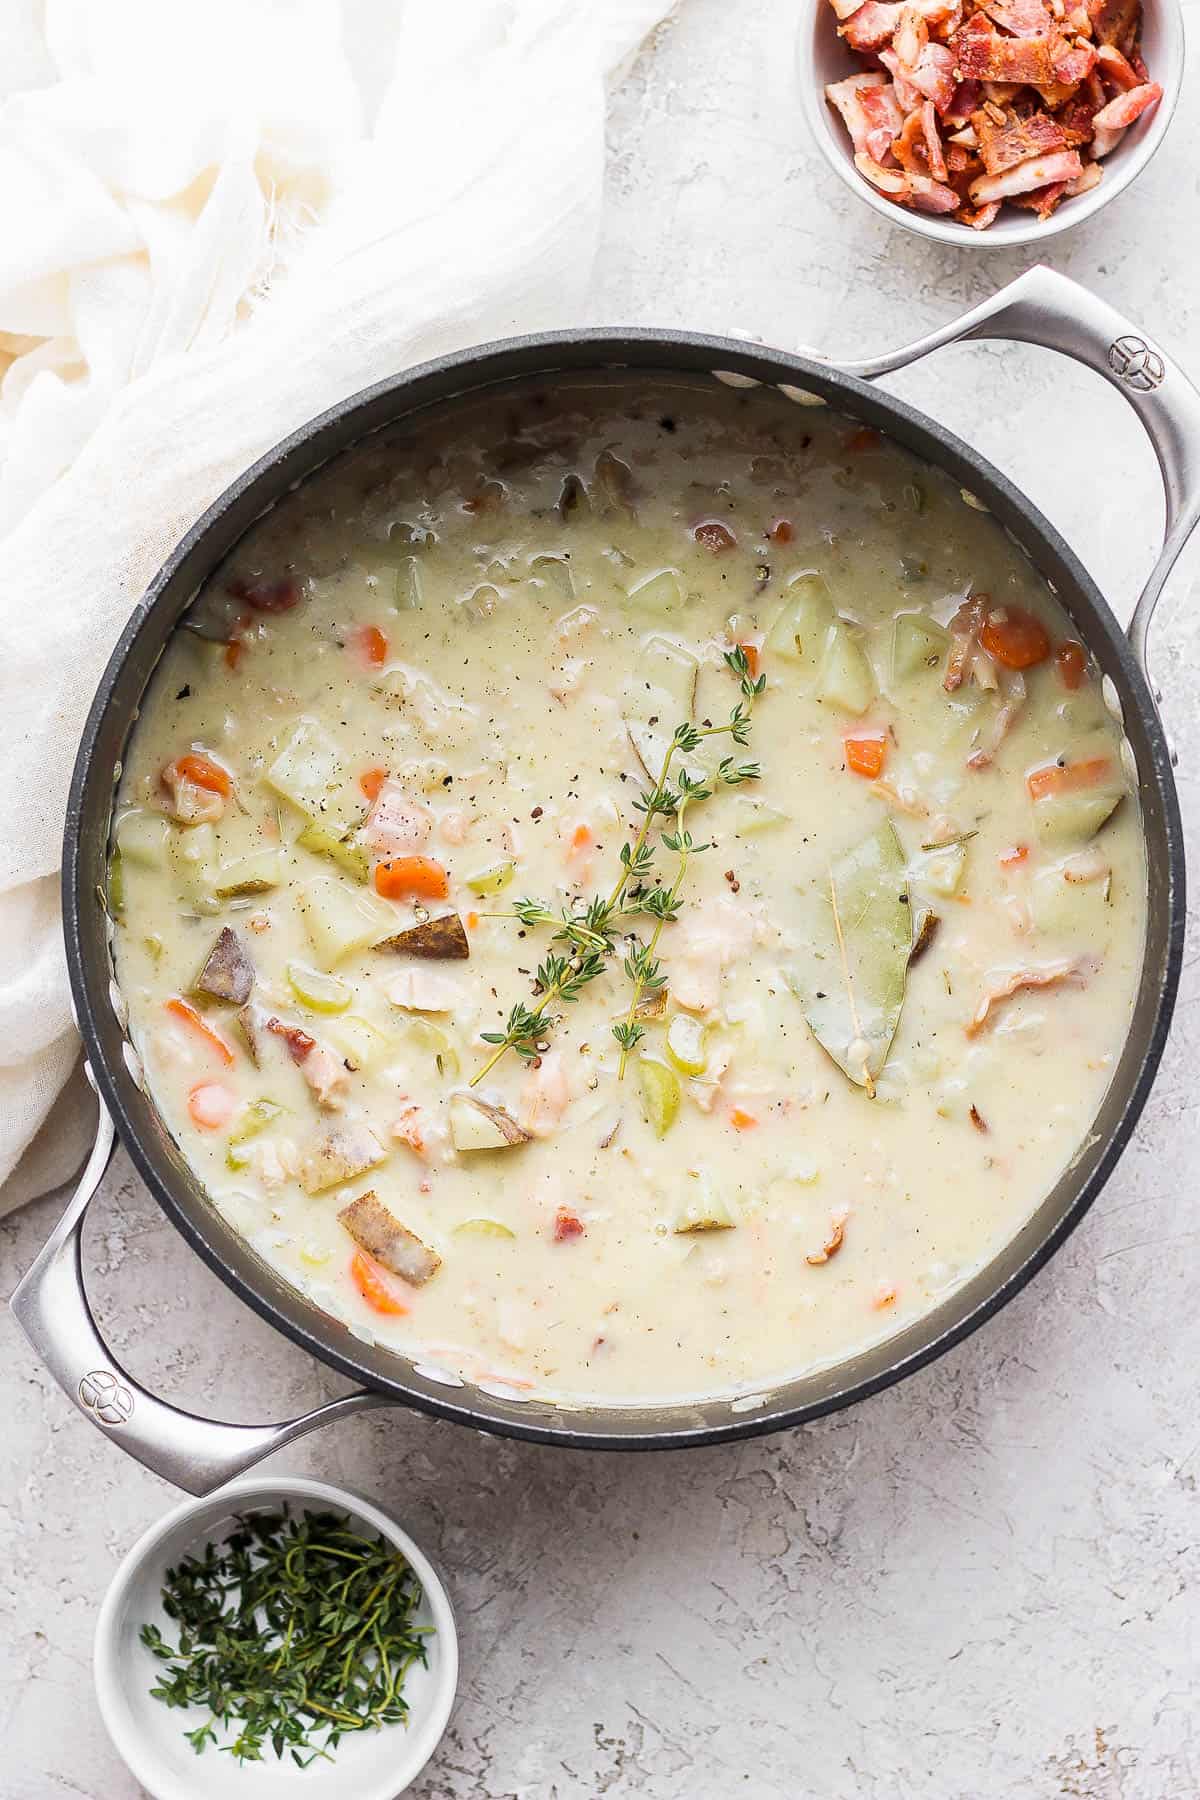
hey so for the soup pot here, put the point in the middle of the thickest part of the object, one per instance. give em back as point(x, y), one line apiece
point(51, 1302)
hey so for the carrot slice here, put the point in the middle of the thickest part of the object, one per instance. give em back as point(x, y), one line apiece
point(1017, 854)
point(201, 771)
point(866, 755)
point(372, 645)
point(1070, 660)
point(741, 1120)
point(581, 839)
point(1067, 778)
point(210, 1105)
point(186, 1013)
point(865, 438)
point(1015, 638)
point(751, 654)
point(781, 531)
point(371, 780)
point(418, 875)
point(373, 1284)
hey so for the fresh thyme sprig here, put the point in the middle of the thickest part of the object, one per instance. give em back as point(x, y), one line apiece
point(290, 1628)
point(591, 933)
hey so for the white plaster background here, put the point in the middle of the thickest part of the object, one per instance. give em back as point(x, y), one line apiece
point(982, 1584)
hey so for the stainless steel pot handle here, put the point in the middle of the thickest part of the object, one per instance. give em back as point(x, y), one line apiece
point(1042, 307)
point(52, 1309)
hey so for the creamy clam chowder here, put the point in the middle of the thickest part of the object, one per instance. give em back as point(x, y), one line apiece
point(627, 890)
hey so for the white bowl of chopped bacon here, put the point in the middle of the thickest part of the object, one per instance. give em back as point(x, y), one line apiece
point(990, 121)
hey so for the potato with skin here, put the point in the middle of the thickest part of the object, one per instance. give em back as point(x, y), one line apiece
point(444, 938)
point(376, 1230)
point(342, 1154)
point(474, 1125)
point(228, 973)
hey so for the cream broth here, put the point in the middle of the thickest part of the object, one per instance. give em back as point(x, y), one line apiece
point(428, 690)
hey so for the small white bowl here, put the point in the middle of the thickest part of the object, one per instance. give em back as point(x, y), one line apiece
point(822, 57)
point(367, 1765)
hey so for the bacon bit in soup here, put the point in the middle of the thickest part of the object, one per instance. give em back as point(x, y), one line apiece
point(781, 531)
point(187, 1015)
point(714, 536)
point(1071, 662)
point(1051, 975)
point(567, 1225)
point(741, 1120)
point(371, 646)
point(210, 1105)
point(267, 596)
point(865, 438)
point(977, 1119)
point(377, 1287)
point(299, 1044)
point(1015, 638)
point(990, 102)
point(832, 1244)
point(371, 780)
point(866, 754)
point(965, 627)
point(407, 876)
point(1067, 778)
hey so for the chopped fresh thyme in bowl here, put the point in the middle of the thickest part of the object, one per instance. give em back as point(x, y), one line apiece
point(291, 1632)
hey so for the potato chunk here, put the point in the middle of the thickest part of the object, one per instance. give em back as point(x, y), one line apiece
point(378, 1232)
point(342, 1154)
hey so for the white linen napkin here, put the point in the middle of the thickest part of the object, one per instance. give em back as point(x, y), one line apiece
point(203, 242)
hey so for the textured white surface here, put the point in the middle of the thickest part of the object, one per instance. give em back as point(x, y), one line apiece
point(984, 1583)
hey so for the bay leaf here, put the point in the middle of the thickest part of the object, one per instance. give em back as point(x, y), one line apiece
point(852, 984)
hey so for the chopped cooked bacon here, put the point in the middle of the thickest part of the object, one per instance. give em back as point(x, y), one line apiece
point(933, 143)
point(1116, 69)
point(912, 36)
point(871, 25)
point(1127, 107)
point(907, 189)
point(1075, 122)
point(1014, 695)
point(934, 75)
point(965, 627)
point(966, 104)
point(1048, 975)
point(1038, 172)
point(1042, 200)
point(1082, 184)
point(1023, 18)
point(908, 95)
point(1115, 22)
point(982, 52)
point(871, 112)
point(963, 102)
point(1003, 146)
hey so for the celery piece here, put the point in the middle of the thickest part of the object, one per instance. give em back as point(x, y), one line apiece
point(487, 1228)
point(142, 838)
point(660, 1094)
point(493, 880)
point(341, 850)
point(361, 1044)
point(255, 1119)
point(323, 993)
point(685, 1045)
